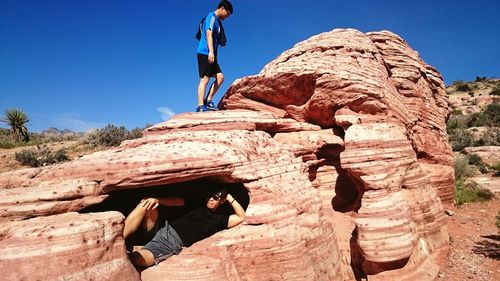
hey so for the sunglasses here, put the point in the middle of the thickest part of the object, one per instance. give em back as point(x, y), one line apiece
point(216, 197)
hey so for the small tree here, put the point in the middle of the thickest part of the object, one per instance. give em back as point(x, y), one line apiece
point(17, 121)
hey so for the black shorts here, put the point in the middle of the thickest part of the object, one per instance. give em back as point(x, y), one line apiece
point(207, 69)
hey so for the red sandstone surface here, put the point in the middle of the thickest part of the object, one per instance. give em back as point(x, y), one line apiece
point(340, 141)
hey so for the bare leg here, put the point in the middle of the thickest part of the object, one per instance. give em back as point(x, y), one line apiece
point(202, 87)
point(142, 258)
point(219, 79)
point(137, 217)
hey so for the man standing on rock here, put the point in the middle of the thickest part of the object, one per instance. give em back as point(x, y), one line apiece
point(211, 35)
point(168, 240)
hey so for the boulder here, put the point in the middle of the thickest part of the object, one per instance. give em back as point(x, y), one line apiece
point(339, 146)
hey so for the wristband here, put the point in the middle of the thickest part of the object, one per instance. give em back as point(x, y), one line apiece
point(231, 201)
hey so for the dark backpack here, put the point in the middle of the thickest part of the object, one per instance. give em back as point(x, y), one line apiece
point(221, 35)
point(198, 34)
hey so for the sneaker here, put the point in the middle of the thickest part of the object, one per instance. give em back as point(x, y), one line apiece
point(202, 108)
point(210, 105)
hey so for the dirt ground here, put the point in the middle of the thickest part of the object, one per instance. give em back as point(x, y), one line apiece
point(74, 149)
point(474, 243)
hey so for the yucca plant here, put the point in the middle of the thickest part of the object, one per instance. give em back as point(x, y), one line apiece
point(17, 120)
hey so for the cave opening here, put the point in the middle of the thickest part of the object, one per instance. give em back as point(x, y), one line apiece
point(348, 193)
point(196, 192)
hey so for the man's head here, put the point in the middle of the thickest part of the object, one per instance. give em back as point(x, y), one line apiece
point(224, 9)
point(216, 199)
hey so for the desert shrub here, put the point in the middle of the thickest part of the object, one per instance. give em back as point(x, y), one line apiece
point(460, 139)
point(490, 137)
point(489, 117)
point(135, 133)
point(495, 91)
point(496, 168)
point(476, 160)
point(481, 78)
point(28, 157)
point(6, 145)
point(468, 192)
point(471, 94)
point(492, 111)
point(462, 168)
point(462, 86)
point(476, 119)
point(40, 156)
point(456, 121)
point(111, 135)
point(6, 140)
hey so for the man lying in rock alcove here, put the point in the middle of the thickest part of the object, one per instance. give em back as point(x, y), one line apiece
point(167, 238)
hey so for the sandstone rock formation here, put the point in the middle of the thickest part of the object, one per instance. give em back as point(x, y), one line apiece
point(391, 108)
point(340, 143)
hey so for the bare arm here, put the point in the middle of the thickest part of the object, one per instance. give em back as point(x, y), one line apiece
point(171, 201)
point(153, 203)
point(210, 42)
point(239, 212)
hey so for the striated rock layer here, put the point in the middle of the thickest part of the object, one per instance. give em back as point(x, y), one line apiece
point(69, 246)
point(340, 142)
point(390, 108)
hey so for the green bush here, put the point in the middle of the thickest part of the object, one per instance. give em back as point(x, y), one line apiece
point(111, 135)
point(468, 192)
point(135, 133)
point(41, 156)
point(460, 139)
point(462, 168)
point(6, 140)
point(495, 91)
point(489, 117)
point(476, 160)
point(490, 137)
point(463, 88)
point(456, 121)
point(6, 144)
point(492, 112)
point(28, 157)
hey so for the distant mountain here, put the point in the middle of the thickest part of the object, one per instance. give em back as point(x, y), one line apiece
point(52, 131)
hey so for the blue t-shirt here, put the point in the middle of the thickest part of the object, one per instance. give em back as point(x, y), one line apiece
point(211, 22)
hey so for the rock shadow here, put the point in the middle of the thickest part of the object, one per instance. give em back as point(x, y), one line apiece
point(347, 194)
point(356, 257)
point(490, 247)
point(195, 193)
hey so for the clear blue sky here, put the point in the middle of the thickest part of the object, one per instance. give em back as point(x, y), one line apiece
point(81, 64)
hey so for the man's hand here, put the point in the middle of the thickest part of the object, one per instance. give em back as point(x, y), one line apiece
point(211, 57)
point(239, 212)
point(148, 204)
point(229, 198)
